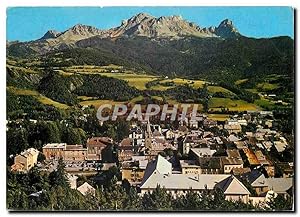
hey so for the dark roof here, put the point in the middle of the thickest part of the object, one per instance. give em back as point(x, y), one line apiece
point(251, 176)
point(210, 163)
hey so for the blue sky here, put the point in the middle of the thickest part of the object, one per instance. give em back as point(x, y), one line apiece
point(29, 23)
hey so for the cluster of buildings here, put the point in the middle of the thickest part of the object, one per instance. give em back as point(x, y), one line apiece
point(195, 156)
point(205, 159)
point(94, 150)
point(24, 161)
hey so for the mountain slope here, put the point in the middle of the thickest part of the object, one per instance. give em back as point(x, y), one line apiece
point(209, 57)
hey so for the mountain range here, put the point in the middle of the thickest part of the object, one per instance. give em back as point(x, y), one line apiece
point(142, 24)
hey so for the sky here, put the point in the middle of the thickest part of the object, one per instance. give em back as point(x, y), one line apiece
point(30, 23)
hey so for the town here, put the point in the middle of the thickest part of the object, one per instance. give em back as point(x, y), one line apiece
point(241, 156)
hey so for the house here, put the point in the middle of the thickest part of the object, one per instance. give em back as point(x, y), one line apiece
point(287, 169)
point(125, 150)
point(241, 144)
point(239, 171)
point(54, 150)
point(159, 173)
point(209, 123)
point(134, 170)
point(193, 124)
point(269, 123)
point(75, 153)
point(251, 157)
point(95, 146)
point(72, 179)
point(107, 166)
point(210, 165)
point(169, 134)
point(281, 186)
point(261, 184)
point(233, 128)
point(270, 169)
point(242, 122)
point(64, 151)
point(233, 160)
point(232, 138)
point(25, 161)
point(183, 130)
point(136, 133)
point(86, 188)
point(261, 158)
point(237, 121)
point(197, 153)
point(189, 167)
point(267, 145)
point(257, 180)
point(280, 146)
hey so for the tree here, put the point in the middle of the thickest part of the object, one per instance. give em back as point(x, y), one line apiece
point(123, 129)
point(280, 203)
point(159, 199)
point(133, 201)
point(58, 177)
point(74, 136)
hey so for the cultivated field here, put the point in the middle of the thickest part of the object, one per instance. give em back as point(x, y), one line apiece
point(217, 104)
point(41, 98)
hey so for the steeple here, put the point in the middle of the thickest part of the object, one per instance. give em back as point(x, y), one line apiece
point(148, 137)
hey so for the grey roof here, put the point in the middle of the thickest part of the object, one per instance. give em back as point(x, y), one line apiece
point(188, 164)
point(228, 183)
point(232, 185)
point(200, 152)
point(232, 138)
point(260, 181)
point(280, 185)
point(159, 172)
point(160, 166)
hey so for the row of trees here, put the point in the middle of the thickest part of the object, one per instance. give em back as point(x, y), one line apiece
point(42, 191)
point(24, 135)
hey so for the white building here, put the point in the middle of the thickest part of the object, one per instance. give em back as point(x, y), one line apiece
point(159, 173)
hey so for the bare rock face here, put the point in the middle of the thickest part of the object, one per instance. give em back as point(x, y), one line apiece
point(51, 34)
point(146, 25)
point(142, 24)
point(84, 30)
point(226, 29)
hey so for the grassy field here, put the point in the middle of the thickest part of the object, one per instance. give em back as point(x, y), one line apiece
point(219, 117)
point(265, 86)
point(215, 89)
point(157, 98)
point(177, 82)
point(253, 90)
point(21, 69)
point(42, 99)
point(240, 81)
point(265, 103)
point(99, 102)
point(216, 104)
point(135, 80)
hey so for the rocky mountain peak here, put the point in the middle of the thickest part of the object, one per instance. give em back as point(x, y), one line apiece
point(80, 29)
point(226, 22)
point(226, 29)
point(51, 34)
